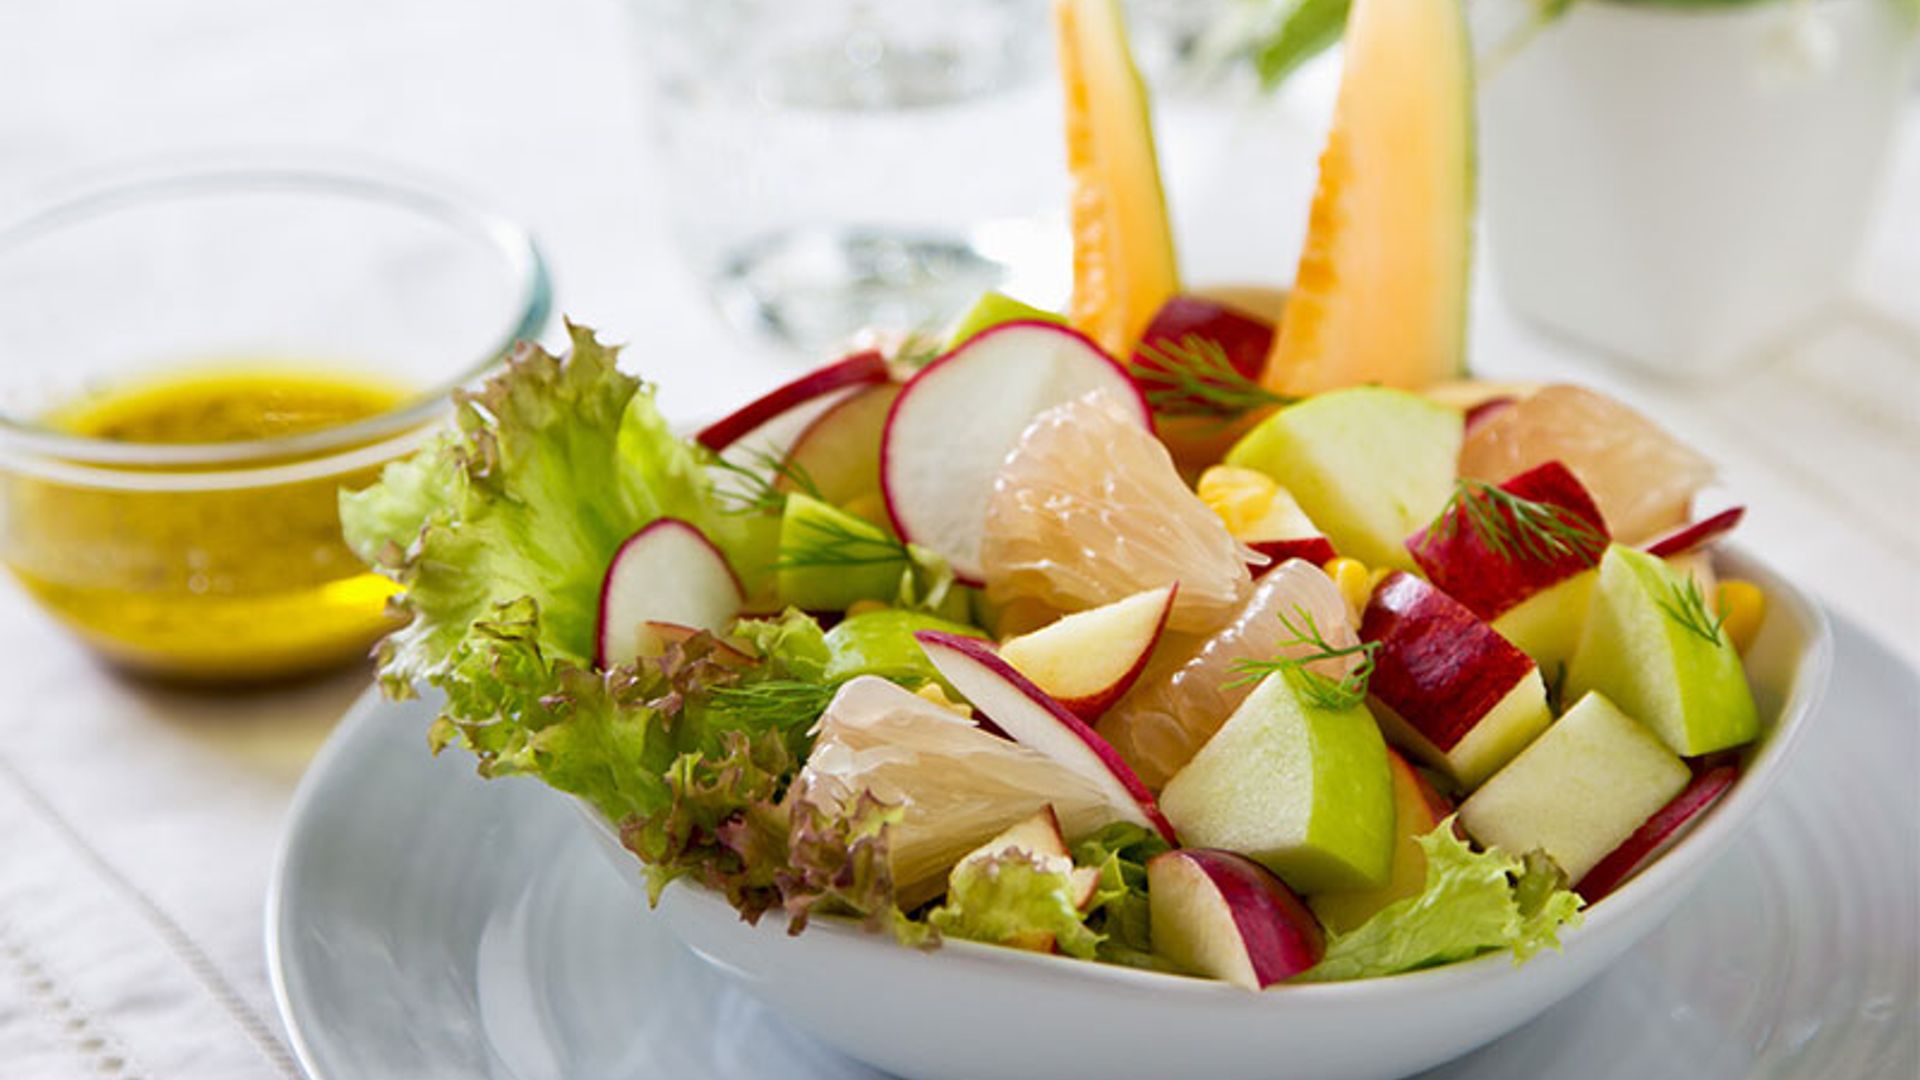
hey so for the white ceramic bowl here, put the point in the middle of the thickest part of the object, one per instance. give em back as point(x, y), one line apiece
point(968, 1011)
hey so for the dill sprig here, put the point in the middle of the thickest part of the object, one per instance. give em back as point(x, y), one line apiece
point(918, 349)
point(1323, 691)
point(1688, 607)
point(1195, 377)
point(1517, 529)
point(832, 542)
point(759, 487)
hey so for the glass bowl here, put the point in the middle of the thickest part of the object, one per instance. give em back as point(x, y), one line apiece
point(174, 538)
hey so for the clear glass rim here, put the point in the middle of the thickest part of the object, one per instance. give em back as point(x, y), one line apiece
point(32, 448)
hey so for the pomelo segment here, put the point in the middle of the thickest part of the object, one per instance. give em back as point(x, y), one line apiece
point(1088, 509)
point(1186, 692)
point(1641, 477)
point(1381, 292)
point(1123, 258)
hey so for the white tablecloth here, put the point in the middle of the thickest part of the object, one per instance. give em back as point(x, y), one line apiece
point(137, 825)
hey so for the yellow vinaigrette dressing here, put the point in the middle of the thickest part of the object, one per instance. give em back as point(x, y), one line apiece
point(209, 585)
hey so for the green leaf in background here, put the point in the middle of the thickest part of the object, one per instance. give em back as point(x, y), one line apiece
point(1296, 32)
point(1472, 904)
point(1011, 898)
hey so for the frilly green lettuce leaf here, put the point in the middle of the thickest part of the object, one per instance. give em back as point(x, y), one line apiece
point(723, 826)
point(837, 864)
point(590, 734)
point(1010, 896)
point(1119, 912)
point(548, 468)
point(1472, 904)
point(792, 640)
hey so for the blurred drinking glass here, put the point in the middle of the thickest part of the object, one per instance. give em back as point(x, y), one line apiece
point(838, 165)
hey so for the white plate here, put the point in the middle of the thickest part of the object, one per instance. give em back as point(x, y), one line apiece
point(424, 923)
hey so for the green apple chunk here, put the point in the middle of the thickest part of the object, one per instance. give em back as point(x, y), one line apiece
point(1417, 811)
point(882, 643)
point(1579, 791)
point(1298, 787)
point(1546, 625)
point(992, 309)
point(1652, 645)
point(1369, 465)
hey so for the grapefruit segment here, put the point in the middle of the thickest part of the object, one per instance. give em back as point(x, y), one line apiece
point(1381, 291)
point(1088, 509)
point(1123, 259)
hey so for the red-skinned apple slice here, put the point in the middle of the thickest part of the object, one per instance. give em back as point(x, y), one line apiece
point(839, 452)
point(860, 369)
point(1456, 557)
point(1446, 686)
point(1035, 720)
point(1658, 833)
point(1695, 535)
point(1225, 916)
point(1485, 411)
point(1244, 339)
point(1285, 532)
point(1088, 660)
point(667, 572)
point(955, 422)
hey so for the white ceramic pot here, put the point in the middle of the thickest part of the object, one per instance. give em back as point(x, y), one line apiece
point(1678, 186)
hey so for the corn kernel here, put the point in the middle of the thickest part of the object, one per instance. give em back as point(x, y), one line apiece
point(869, 506)
point(932, 692)
point(1239, 496)
point(1354, 582)
point(1742, 605)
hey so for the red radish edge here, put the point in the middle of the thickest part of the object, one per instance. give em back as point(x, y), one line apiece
point(1696, 534)
point(980, 653)
point(1138, 398)
point(861, 367)
point(606, 577)
point(1657, 834)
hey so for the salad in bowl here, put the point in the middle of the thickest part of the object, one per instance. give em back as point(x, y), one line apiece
point(1236, 636)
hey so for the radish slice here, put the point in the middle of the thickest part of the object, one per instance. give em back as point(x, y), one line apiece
point(1035, 720)
point(840, 450)
point(860, 369)
point(667, 573)
point(955, 422)
point(1696, 534)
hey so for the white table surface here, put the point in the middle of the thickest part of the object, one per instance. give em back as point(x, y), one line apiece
point(137, 825)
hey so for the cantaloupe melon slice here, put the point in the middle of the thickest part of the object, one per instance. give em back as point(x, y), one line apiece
point(1381, 293)
point(1123, 258)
